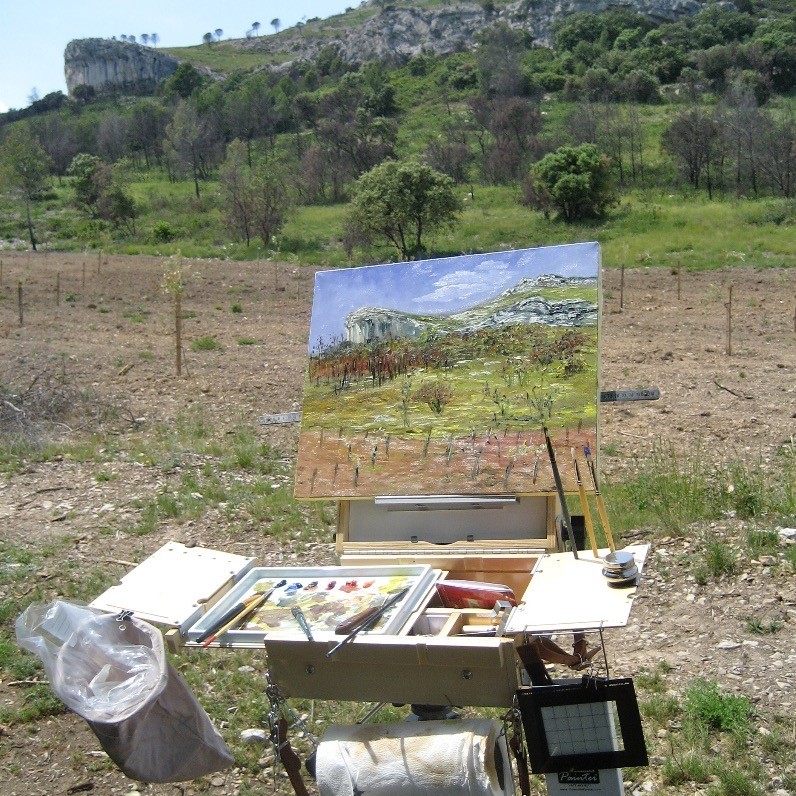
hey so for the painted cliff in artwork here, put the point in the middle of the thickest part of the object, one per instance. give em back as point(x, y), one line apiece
point(438, 377)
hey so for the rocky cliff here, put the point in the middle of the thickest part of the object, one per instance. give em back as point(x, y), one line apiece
point(400, 31)
point(394, 32)
point(108, 65)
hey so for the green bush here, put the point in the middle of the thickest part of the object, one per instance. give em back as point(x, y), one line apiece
point(207, 343)
point(163, 232)
point(707, 704)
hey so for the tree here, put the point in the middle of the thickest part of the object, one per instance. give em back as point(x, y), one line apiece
point(101, 191)
point(24, 169)
point(184, 81)
point(575, 180)
point(256, 198)
point(207, 38)
point(154, 38)
point(235, 178)
point(276, 24)
point(148, 122)
point(82, 170)
point(145, 39)
point(692, 140)
point(190, 143)
point(219, 32)
point(256, 28)
point(499, 58)
point(402, 202)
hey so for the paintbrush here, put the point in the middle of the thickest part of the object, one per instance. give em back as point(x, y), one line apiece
point(365, 620)
point(235, 615)
point(585, 505)
point(600, 501)
point(298, 614)
point(560, 489)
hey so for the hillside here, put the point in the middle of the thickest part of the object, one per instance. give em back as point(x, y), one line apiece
point(153, 154)
point(375, 31)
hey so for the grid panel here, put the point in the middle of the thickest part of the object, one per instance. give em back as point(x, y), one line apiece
point(582, 728)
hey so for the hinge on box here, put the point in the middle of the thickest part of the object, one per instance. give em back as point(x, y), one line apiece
point(470, 537)
point(413, 539)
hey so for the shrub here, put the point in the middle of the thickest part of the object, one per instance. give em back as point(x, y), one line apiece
point(208, 343)
point(163, 232)
point(707, 704)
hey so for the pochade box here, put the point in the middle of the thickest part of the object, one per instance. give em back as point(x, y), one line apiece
point(438, 396)
point(448, 406)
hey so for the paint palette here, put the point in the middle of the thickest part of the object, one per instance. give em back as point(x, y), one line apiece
point(327, 597)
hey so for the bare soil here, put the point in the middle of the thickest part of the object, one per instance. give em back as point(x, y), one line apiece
point(104, 323)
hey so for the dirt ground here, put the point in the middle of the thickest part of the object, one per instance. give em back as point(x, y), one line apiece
point(106, 324)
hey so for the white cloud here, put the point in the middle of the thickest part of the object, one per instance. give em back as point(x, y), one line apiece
point(468, 285)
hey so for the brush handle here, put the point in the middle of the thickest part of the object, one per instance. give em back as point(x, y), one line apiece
point(584, 502)
point(560, 489)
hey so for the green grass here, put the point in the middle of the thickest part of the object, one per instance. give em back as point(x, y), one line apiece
point(671, 490)
point(707, 704)
point(207, 343)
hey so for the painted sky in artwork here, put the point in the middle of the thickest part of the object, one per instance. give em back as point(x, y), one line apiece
point(437, 287)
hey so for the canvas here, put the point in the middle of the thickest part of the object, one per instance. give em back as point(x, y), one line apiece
point(438, 377)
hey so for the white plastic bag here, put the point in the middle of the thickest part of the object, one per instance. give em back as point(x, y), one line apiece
point(115, 674)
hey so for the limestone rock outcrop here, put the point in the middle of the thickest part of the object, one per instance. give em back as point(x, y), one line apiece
point(398, 32)
point(108, 65)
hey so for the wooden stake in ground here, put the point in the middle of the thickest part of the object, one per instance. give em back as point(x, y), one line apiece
point(729, 324)
point(57, 288)
point(83, 283)
point(622, 287)
point(174, 285)
point(19, 301)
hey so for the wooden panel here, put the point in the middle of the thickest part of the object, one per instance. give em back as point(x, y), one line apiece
point(412, 669)
point(568, 593)
point(175, 585)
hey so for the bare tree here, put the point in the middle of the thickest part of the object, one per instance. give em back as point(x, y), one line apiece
point(692, 139)
point(190, 144)
point(112, 135)
point(778, 153)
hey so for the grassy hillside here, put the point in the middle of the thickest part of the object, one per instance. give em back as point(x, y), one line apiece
point(324, 123)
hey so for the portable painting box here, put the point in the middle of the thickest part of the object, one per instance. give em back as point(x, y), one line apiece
point(426, 394)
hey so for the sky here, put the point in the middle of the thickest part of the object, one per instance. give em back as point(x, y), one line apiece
point(37, 31)
point(436, 287)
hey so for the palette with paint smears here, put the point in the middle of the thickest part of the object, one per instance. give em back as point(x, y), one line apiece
point(327, 597)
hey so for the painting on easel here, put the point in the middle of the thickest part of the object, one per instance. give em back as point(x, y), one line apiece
point(439, 376)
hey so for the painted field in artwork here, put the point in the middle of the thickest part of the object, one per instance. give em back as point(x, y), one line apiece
point(438, 377)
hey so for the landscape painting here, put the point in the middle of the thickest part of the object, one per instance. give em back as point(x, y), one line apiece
point(442, 376)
